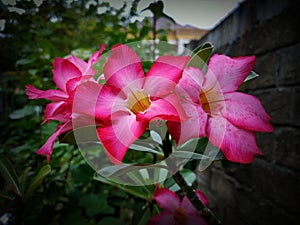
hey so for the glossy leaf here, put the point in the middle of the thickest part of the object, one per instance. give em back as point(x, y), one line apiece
point(23, 178)
point(136, 174)
point(44, 171)
point(95, 204)
point(9, 174)
point(145, 192)
point(21, 113)
point(201, 56)
point(252, 76)
point(189, 155)
point(79, 135)
point(110, 221)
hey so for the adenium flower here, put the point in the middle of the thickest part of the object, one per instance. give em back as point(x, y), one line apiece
point(130, 100)
point(68, 73)
point(176, 212)
point(232, 117)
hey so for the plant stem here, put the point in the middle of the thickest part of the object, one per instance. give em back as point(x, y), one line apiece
point(187, 190)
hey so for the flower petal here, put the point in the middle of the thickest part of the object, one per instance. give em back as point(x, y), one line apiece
point(247, 112)
point(167, 108)
point(57, 111)
point(167, 200)
point(169, 67)
point(86, 68)
point(238, 145)
point(164, 218)
point(202, 197)
point(228, 72)
point(53, 95)
point(158, 87)
point(123, 67)
point(95, 56)
point(80, 64)
point(193, 127)
point(110, 100)
point(47, 148)
point(188, 206)
point(119, 133)
point(195, 218)
point(192, 81)
point(63, 71)
point(85, 98)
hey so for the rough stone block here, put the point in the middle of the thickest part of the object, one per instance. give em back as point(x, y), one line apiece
point(288, 65)
point(287, 147)
point(266, 73)
point(278, 104)
point(275, 183)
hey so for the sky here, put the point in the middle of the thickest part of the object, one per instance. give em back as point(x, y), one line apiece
point(203, 14)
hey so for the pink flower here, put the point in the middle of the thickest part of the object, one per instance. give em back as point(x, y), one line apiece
point(176, 212)
point(232, 117)
point(130, 100)
point(67, 75)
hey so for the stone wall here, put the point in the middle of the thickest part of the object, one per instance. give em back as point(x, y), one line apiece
point(266, 191)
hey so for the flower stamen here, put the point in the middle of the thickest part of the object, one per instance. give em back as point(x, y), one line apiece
point(138, 101)
point(210, 100)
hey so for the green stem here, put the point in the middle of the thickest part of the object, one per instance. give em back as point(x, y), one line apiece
point(187, 190)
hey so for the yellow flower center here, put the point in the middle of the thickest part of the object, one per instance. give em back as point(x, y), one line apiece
point(211, 100)
point(180, 216)
point(138, 101)
point(204, 102)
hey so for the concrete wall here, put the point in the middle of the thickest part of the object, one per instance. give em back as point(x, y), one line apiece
point(266, 191)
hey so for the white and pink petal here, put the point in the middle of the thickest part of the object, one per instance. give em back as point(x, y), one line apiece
point(57, 111)
point(123, 67)
point(246, 111)
point(63, 71)
point(53, 95)
point(237, 144)
point(169, 67)
point(228, 72)
point(167, 108)
point(118, 134)
point(192, 82)
point(193, 127)
point(47, 148)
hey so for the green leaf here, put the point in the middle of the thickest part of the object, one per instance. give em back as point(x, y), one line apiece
point(21, 62)
point(23, 179)
point(145, 192)
point(136, 174)
point(21, 113)
point(252, 76)
point(79, 135)
point(201, 56)
point(95, 204)
point(44, 171)
point(110, 221)
point(189, 155)
point(143, 149)
point(9, 174)
point(199, 149)
point(72, 215)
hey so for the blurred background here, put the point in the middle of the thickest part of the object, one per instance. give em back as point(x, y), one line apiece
point(34, 32)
